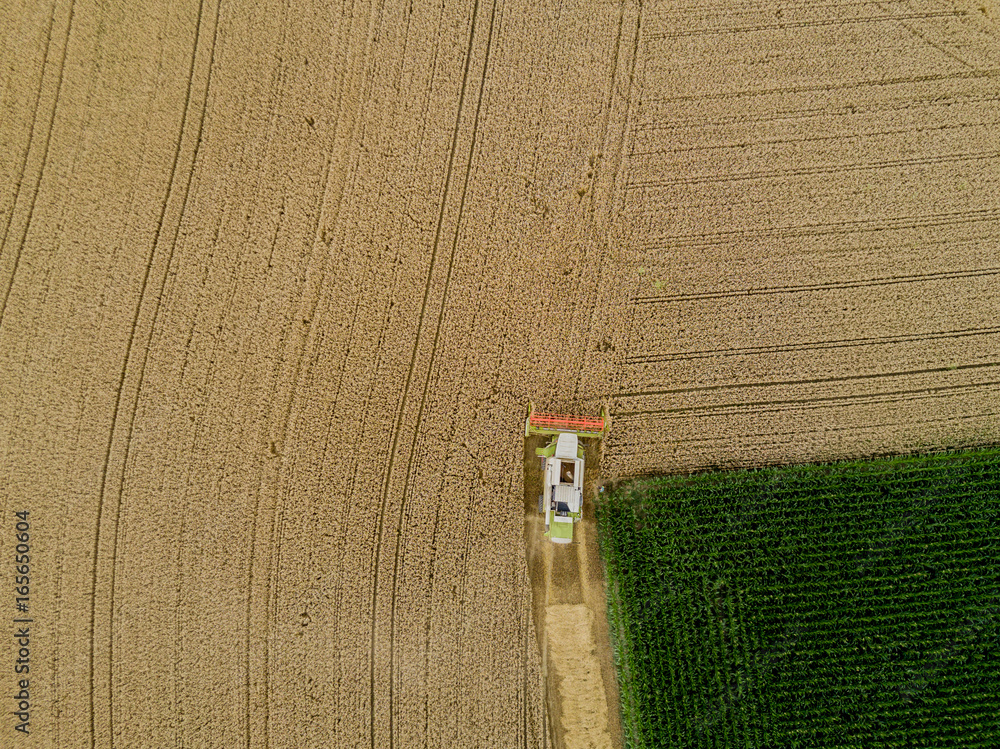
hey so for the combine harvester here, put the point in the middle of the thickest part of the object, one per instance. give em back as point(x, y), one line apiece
point(561, 500)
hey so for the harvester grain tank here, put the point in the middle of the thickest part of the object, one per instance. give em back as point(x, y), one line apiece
point(561, 500)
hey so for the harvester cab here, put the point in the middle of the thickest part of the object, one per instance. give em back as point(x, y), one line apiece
point(561, 500)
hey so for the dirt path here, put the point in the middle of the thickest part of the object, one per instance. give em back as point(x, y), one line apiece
point(569, 611)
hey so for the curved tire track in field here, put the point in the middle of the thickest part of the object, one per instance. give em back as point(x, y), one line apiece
point(311, 298)
point(44, 158)
point(401, 410)
point(408, 472)
point(16, 194)
point(115, 514)
point(19, 179)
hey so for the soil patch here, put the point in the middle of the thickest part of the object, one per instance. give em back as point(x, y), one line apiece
point(575, 670)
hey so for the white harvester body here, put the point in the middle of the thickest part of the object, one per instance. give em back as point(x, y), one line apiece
point(562, 493)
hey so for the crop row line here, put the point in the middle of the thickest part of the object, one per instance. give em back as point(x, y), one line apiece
point(809, 113)
point(855, 135)
point(715, 10)
point(868, 166)
point(819, 345)
point(779, 491)
point(806, 381)
point(838, 529)
point(965, 75)
point(807, 404)
point(758, 438)
point(846, 226)
point(807, 24)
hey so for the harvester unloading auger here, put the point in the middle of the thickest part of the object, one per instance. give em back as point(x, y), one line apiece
point(561, 500)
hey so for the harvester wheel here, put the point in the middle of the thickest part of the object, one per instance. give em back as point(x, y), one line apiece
point(541, 503)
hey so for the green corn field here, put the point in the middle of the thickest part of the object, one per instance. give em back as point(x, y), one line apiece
point(844, 605)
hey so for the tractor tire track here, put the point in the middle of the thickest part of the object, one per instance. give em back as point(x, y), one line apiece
point(753, 437)
point(828, 286)
point(19, 179)
point(808, 114)
point(869, 166)
point(318, 232)
point(14, 200)
point(409, 471)
point(786, 25)
point(245, 656)
point(117, 414)
point(710, 12)
point(804, 347)
point(776, 406)
point(401, 409)
point(836, 138)
point(805, 381)
point(179, 624)
point(44, 159)
point(933, 220)
point(969, 75)
point(606, 121)
point(311, 298)
point(614, 178)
